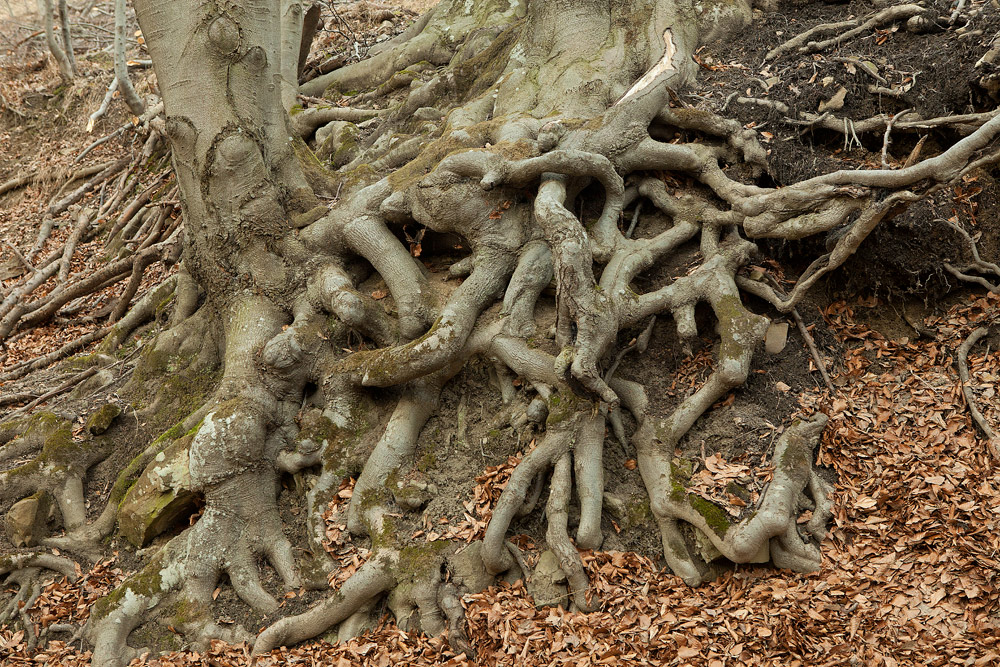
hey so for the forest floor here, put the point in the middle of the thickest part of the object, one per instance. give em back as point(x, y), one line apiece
point(911, 566)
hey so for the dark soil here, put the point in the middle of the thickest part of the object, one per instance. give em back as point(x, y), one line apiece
point(903, 256)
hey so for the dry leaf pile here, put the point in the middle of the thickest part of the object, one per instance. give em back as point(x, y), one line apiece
point(717, 477)
point(338, 543)
point(485, 495)
point(65, 602)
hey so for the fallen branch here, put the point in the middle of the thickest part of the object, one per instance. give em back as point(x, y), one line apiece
point(83, 221)
point(103, 109)
point(17, 398)
point(50, 175)
point(26, 367)
point(21, 258)
point(151, 112)
point(58, 207)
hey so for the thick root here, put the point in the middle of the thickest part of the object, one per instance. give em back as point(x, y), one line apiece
point(419, 597)
point(771, 529)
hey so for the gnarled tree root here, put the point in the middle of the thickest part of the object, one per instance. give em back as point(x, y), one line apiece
point(992, 440)
point(772, 528)
point(25, 569)
point(417, 592)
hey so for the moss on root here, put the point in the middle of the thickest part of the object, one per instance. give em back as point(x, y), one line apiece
point(59, 451)
point(794, 457)
point(639, 512)
point(187, 612)
point(480, 72)
point(100, 420)
point(431, 155)
point(680, 473)
point(343, 453)
point(319, 177)
point(147, 582)
point(171, 382)
point(386, 537)
point(419, 559)
point(712, 513)
point(562, 406)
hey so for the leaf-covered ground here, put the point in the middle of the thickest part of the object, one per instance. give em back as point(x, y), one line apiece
point(911, 565)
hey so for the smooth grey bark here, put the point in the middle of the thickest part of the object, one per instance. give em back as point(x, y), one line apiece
point(135, 105)
point(62, 53)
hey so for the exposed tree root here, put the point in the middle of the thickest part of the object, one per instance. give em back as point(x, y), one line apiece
point(25, 570)
point(533, 180)
point(964, 123)
point(804, 42)
point(977, 264)
point(992, 440)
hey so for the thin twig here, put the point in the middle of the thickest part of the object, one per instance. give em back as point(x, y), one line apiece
point(810, 342)
point(65, 386)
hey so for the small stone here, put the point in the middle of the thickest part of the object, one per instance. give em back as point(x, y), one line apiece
point(412, 495)
point(25, 524)
point(835, 103)
point(548, 567)
point(615, 505)
point(102, 418)
point(331, 129)
point(546, 583)
point(160, 497)
point(776, 337)
point(537, 410)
